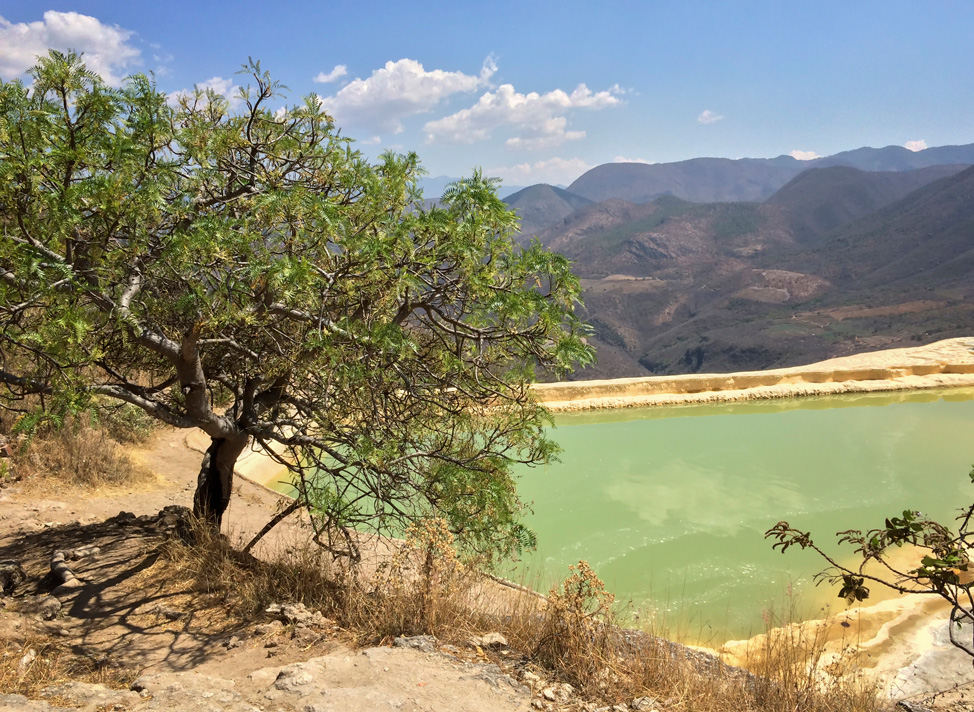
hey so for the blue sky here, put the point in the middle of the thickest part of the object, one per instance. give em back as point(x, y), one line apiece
point(542, 91)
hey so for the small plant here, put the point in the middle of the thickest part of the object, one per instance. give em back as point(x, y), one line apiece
point(944, 557)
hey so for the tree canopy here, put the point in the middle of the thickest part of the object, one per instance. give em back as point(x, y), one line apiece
point(250, 274)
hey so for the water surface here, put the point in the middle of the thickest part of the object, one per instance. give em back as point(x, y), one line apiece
point(670, 504)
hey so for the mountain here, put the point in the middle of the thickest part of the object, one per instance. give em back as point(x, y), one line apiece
point(541, 205)
point(822, 199)
point(673, 286)
point(746, 179)
point(924, 240)
point(897, 158)
point(702, 180)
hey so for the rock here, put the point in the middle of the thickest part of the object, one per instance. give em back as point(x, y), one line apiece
point(11, 574)
point(85, 694)
point(497, 678)
point(297, 614)
point(172, 515)
point(165, 692)
point(537, 704)
point(492, 641)
point(169, 613)
point(423, 643)
point(297, 678)
point(644, 704)
point(19, 703)
point(272, 628)
point(47, 607)
point(560, 692)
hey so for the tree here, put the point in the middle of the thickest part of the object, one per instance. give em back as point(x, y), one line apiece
point(944, 563)
point(251, 275)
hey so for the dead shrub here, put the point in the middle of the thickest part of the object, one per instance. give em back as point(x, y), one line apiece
point(421, 590)
point(574, 637)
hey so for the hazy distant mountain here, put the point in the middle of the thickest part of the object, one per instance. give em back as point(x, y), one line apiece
point(701, 180)
point(897, 158)
point(822, 199)
point(923, 241)
point(706, 180)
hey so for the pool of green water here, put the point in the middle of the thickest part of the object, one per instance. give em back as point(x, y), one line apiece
point(670, 504)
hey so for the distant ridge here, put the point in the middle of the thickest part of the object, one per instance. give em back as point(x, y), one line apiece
point(705, 180)
point(921, 241)
point(823, 199)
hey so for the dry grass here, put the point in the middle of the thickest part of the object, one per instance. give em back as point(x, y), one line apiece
point(81, 453)
point(570, 636)
point(213, 566)
point(27, 668)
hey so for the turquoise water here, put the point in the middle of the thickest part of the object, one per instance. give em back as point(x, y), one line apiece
point(670, 505)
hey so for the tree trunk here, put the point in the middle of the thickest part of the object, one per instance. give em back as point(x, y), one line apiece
point(215, 482)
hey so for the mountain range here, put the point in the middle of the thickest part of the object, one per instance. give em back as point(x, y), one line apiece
point(720, 265)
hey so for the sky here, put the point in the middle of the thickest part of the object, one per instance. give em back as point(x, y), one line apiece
point(540, 92)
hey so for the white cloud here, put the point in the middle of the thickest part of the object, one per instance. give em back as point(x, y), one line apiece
point(398, 90)
point(623, 159)
point(225, 87)
point(708, 117)
point(918, 145)
point(555, 170)
point(374, 141)
point(804, 155)
point(338, 72)
point(539, 119)
point(106, 48)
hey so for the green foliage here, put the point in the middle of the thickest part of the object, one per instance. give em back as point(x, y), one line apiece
point(181, 258)
point(942, 555)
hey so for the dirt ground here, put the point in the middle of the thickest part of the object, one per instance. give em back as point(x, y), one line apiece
point(127, 618)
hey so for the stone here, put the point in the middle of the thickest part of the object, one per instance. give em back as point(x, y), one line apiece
point(491, 641)
point(297, 678)
point(47, 607)
point(423, 643)
point(644, 704)
point(11, 574)
point(272, 628)
point(85, 694)
point(497, 678)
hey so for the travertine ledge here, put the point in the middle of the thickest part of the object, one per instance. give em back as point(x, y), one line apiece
point(944, 364)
